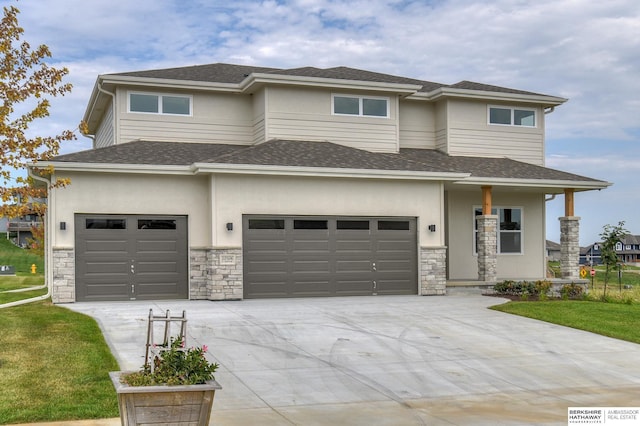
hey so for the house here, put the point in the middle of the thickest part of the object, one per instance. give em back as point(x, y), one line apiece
point(553, 251)
point(590, 255)
point(226, 182)
point(627, 249)
point(19, 230)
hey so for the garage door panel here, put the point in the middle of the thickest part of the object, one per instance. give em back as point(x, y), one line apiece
point(125, 257)
point(106, 246)
point(330, 256)
point(156, 267)
point(157, 246)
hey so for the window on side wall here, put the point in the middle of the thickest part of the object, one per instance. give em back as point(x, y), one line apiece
point(362, 106)
point(151, 103)
point(506, 116)
point(509, 229)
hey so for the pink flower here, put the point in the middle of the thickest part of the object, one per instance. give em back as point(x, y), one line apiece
point(182, 345)
point(205, 348)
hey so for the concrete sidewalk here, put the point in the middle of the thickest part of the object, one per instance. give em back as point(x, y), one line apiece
point(392, 360)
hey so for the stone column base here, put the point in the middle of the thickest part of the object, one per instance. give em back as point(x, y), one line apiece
point(570, 247)
point(487, 247)
point(433, 271)
point(216, 274)
point(63, 288)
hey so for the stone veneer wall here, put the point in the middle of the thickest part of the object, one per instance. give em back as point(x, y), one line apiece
point(433, 271)
point(570, 247)
point(487, 247)
point(64, 276)
point(216, 274)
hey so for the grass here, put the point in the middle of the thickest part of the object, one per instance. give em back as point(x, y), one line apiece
point(19, 258)
point(38, 345)
point(22, 260)
point(616, 320)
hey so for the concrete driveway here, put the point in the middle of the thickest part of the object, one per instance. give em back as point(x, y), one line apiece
point(387, 360)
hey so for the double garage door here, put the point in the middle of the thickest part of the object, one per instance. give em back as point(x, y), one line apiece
point(131, 257)
point(328, 256)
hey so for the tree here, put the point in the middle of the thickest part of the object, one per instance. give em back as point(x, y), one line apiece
point(611, 235)
point(26, 84)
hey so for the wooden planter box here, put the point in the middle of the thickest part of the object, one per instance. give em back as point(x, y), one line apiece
point(177, 405)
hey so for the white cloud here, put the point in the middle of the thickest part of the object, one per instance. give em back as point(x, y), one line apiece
point(580, 49)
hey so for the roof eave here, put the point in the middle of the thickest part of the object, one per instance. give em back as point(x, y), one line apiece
point(256, 80)
point(550, 185)
point(114, 167)
point(168, 83)
point(447, 92)
point(324, 172)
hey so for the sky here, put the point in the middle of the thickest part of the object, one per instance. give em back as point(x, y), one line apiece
point(585, 50)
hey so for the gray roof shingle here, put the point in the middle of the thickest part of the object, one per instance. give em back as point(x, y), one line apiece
point(235, 74)
point(314, 154)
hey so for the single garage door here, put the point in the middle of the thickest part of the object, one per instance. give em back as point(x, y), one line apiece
point(328, 256)
point(131, 257)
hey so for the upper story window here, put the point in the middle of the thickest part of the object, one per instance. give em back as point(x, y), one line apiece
point(159, 104)
point(618, 246)
point(512, 116)
point(360, 105)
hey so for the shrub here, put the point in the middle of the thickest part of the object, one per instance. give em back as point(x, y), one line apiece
point(571, 291)
point(524, 289)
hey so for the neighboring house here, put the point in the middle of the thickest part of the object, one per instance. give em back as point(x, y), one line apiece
point(19, 229)
point(627, 249)
point(553, 251)
point(590, 255)
point(229, 181)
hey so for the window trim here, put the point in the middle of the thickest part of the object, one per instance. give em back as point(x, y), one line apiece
point(513, 109)
point(360, 105)
point(160, 103)
point(497, 208)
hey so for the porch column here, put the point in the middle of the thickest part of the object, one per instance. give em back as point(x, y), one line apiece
point(569, 239)
point(487, 243)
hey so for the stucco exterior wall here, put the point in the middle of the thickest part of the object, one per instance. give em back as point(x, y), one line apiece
point(132, 194)
point(233, 196)
point(463, 262)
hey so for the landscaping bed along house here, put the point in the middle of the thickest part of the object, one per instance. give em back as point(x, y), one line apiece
point(539, 290)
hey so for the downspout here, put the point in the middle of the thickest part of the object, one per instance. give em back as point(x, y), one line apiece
point(48, 250)
point(553, 197)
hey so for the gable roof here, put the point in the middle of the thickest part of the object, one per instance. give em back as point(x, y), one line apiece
point(322, 156)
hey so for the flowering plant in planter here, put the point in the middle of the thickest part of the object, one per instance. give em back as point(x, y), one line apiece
point(174, 365)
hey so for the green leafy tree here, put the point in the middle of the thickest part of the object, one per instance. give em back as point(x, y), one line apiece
point(26, 85)
point(610, 236)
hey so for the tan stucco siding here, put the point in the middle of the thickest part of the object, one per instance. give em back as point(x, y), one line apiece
point(463, 263)
point(104, 135)
point(219, 118)
point(238, 195)
point(298, 114)
point(132, 194)
point(417, 125)
point(469, 134)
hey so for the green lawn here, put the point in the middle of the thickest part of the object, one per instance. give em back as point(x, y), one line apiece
point(54, 366)
point(21, 259)
point(616, 320)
